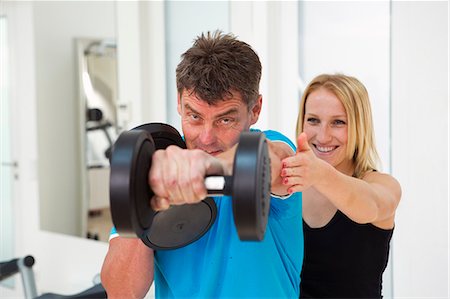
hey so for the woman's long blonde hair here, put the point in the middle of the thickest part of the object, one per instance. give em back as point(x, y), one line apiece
point(353, 95)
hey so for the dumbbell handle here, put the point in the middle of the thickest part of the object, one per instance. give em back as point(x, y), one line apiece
point(218, 185)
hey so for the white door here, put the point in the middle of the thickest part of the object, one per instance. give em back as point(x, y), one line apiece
point(8, 166)
point(18, 147)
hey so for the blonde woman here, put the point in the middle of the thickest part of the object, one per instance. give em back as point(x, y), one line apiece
point(348, 205)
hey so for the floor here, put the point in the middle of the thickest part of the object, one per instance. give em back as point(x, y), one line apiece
point(99, 225)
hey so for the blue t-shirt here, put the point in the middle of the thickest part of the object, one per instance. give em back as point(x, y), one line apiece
point(220, 265)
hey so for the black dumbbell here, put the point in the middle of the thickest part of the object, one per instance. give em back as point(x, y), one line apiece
point(181, 225)
point(130, 193)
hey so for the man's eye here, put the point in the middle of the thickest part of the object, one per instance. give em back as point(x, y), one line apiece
point(226, 121)
point(194, 117)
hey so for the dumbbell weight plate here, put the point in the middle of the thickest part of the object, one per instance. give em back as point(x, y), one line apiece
point(251, 186)
point(181, 225)
point(130, 193)
point(131, 159)
point(163, 135)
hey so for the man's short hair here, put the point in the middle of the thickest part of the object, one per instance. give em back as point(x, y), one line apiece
point(218, 64)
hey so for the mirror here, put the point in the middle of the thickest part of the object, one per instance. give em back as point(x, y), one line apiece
point(97, 72)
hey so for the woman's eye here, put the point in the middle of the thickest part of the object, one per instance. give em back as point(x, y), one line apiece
point(339, 122)
point(313, 120)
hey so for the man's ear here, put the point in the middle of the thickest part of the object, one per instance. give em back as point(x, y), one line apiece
point(179, 103)
point(256, 110)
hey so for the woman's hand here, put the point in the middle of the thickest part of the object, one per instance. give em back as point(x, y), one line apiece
point(302, 170)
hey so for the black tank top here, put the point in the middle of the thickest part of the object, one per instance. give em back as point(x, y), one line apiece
point(344, 259)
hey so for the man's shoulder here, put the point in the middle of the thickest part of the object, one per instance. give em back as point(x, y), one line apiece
point(276, 136)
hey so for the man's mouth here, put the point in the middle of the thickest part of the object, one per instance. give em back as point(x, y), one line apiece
point(214, 153)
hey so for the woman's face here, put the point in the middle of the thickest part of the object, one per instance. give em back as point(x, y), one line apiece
point(326, 126)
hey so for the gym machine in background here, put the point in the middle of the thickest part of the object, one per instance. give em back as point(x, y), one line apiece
point(24, 266)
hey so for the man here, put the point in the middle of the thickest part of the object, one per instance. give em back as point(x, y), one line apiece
point(218, 98)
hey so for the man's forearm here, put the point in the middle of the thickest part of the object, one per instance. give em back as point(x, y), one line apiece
point(127, 271)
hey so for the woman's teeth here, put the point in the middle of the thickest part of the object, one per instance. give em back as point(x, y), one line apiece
point(325, 149)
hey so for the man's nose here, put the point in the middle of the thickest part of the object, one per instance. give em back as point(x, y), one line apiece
point(208, 135)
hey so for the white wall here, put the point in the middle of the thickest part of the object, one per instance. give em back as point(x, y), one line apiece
point(420, 148)
point(63, 264)
point(56, 25)
point(142, 62)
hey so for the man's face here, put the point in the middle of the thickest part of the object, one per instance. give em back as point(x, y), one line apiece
point(215, 128)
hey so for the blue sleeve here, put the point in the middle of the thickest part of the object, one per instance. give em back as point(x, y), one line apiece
point(113, 233)
point(277, 136)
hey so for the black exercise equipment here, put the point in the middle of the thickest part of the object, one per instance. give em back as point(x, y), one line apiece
point(130, 192)
point(94, 114)
point(94, 122)
point(179, 226)
point(24, 267)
